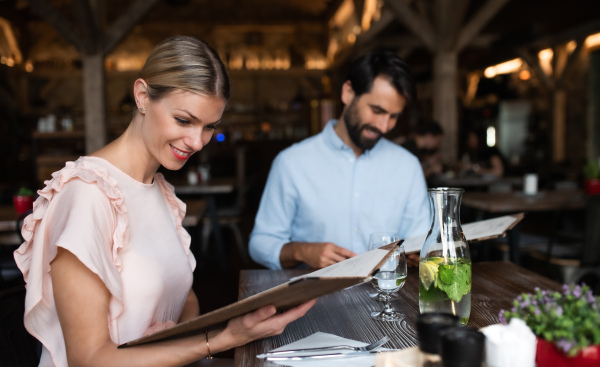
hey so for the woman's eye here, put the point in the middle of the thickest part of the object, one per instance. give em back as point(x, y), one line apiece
point(210, 127)
point(182, 121)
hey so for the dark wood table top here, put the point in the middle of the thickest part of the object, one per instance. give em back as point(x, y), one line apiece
point(510, 202)
point(347, 313)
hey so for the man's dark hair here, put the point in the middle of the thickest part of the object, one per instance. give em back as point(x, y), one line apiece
point(429, 127)
point(386, 64)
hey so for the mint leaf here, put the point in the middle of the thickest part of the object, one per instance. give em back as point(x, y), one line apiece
point(461, 280)
point(446, 273)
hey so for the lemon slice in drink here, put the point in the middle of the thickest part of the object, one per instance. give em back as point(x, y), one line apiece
point(428, 274)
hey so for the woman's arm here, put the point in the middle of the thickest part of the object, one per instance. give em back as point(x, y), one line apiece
point(82, 302)
point(191, 309)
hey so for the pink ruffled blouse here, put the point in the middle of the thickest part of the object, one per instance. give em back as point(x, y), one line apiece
point(126, 232)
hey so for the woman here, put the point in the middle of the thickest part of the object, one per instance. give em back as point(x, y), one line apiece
point(106, 259)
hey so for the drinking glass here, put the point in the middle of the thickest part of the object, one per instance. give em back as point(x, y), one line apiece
point(389, 279)
point(376, 240)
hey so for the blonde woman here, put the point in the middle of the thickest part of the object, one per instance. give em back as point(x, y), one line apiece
point(106, 259)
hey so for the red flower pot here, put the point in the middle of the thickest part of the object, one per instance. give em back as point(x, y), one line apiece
point(592, 186)
point(23, 203)
point(548, 356)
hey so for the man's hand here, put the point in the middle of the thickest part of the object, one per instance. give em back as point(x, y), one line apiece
point(316, 255)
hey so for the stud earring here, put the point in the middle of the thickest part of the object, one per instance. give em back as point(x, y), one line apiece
point(142, 110)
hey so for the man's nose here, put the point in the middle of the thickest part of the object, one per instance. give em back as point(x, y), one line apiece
point(385, 123)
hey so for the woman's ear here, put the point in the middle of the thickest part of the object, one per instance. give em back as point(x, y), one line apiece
point(347, 93)
point(140, 93)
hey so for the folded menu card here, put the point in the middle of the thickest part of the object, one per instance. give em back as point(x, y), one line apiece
point(476, 231)
point(298, 290)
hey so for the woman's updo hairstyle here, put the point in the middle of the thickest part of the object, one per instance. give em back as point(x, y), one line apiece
point(188, 64)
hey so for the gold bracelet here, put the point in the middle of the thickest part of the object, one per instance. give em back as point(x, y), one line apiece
point(208, 346)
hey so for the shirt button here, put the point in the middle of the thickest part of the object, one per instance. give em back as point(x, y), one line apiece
point(355, 229)
point(356, 194)
point(351, 160)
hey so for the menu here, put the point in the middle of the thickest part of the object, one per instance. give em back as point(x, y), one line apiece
point(476, 231)
point(296, 291)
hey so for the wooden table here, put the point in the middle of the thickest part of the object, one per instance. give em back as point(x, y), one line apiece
point(347, 313)
point(502, 203)
point(8, 225)
point(478, 182)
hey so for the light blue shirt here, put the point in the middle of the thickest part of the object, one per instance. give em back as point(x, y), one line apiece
point(319, 191)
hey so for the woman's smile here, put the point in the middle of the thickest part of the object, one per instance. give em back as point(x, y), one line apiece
point(180, 154)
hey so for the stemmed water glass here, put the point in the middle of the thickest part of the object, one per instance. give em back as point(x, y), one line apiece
point(376, 240)
point(389, 279)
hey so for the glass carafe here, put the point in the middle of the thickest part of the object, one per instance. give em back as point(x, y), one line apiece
point(445, 264)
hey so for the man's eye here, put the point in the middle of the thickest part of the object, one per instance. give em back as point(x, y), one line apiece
point(182, 121)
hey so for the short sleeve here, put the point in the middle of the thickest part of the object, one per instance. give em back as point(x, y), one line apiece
point(80, 210)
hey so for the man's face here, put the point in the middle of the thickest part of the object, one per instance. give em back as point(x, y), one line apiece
point(373, 114)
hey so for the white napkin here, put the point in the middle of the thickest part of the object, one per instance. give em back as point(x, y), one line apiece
point(511, 345)
point(320, 339)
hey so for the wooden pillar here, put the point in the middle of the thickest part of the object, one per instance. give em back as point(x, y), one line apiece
point(558, 131)
point(94, 102)
point(445, 109)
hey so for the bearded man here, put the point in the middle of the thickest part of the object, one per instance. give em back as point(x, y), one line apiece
point(326, 194)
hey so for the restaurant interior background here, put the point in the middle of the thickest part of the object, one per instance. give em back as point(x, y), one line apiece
point(526, 71)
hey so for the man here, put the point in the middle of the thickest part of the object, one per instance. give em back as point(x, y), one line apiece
point(327, 194)
point(425, 145)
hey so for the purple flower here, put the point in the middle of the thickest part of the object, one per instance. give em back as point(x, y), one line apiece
point(566, 289)
point(535, 303)
point(564, 345)
point(590, 297)
point(514, 309)
point(525, 303)
point(537, 311)
point(577, 292)
point(559, 311)
point(501, 317)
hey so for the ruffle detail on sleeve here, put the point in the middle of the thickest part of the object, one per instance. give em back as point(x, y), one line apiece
point(178, 209)
point(90, 173)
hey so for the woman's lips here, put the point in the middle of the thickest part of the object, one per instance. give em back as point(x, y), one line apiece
point(180, 154)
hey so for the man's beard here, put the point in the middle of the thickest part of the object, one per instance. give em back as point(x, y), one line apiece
point(353, 125)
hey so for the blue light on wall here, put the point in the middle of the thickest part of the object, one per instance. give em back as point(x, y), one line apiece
point(220, 137)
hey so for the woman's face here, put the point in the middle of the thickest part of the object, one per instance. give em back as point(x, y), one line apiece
point(178, 125)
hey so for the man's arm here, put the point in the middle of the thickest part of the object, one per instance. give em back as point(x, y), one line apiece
point(316, 255)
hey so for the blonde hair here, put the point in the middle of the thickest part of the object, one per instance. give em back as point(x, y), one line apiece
point(188, 64)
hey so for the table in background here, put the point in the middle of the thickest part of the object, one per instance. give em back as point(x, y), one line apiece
point(501, 203)
point(8, 225)
point(479, 182)
point(209, 190)
point(347, 313)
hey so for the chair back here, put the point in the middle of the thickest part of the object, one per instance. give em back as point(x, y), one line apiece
point(17, 346)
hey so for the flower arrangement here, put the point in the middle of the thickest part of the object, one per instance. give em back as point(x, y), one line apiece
point(570, 320)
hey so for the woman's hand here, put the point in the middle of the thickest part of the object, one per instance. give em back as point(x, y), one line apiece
point(261, 323)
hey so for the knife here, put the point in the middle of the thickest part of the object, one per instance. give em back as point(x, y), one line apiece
point(322, 356)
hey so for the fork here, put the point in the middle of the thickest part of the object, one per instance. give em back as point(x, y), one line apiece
point(365, 348)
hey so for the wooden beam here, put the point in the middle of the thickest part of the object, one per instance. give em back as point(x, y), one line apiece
point(534, 63)
point(559, 113)
point(128, 19)
point(60, 23)
point(479, 20)
point(417, 24)
point(90, 29)
point(445, 104)
point(359, 9)
point(571, 61)
point(454, 11)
